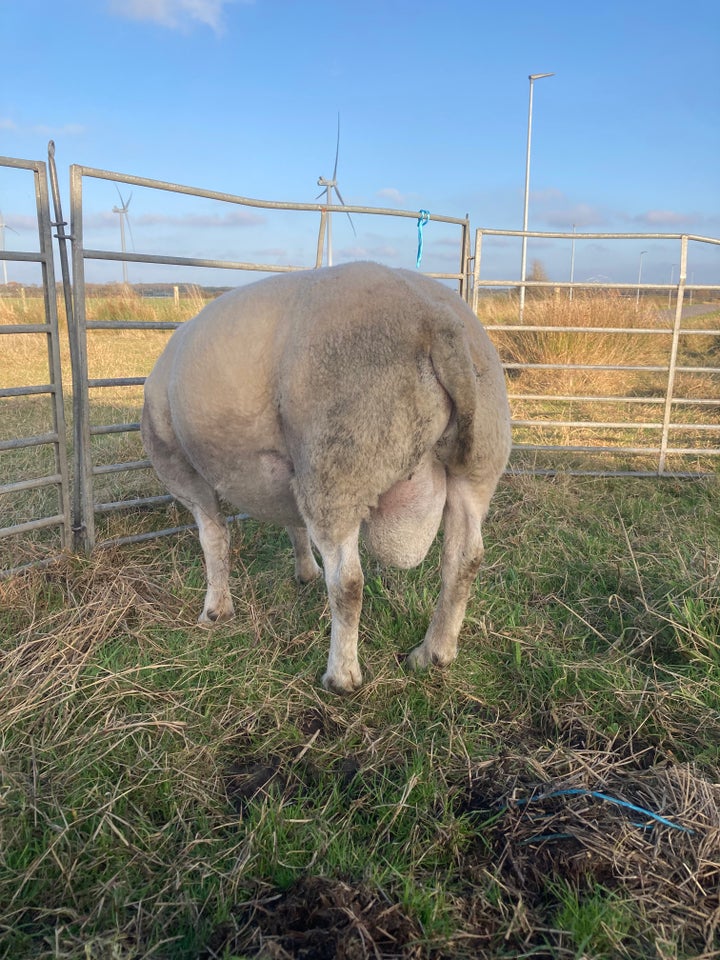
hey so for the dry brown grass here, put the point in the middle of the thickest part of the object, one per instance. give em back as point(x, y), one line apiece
point(595, 330)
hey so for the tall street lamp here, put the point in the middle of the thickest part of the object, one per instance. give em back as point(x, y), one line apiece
point(523, 261)
point(672, 277)
point(637, 297)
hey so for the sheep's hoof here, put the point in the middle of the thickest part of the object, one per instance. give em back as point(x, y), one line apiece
point(343, 685)
point(421, 658)
point(209, 618)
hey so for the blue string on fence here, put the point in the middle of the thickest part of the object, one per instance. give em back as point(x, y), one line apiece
point(422, 220)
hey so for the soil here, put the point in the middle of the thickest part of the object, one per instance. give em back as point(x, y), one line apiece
point(322, 919)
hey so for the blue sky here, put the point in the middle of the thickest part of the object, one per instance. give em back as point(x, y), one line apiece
point(242, 96)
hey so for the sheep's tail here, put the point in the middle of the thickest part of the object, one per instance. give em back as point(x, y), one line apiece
point(455, 371)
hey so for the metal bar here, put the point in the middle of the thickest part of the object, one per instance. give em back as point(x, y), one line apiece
point(132, 325)
point(476, 270)
point(667, 413)
point(565, 235)
point(24, 328)
point(692, 451)
point(153, 534)
point(590, 399)
point(21, 442)
point(113, 428)
point(120, 467)
point(465, 286)
point(644, 474)
point(555, 448)
point(706, 427)
point(35, 484)
point(593, 285)
point(83, 513)
point(645, 331)
point(118, 505)
point(18, 256)
point(62, 237)
point(56, 521)
point(590, 366)
point(638, 451)
point(25, 567)
point(227, 264)
point(39, 390)
point(143, 537)
point(116, 382)
point(190, 261)
point(623, 425)
point(53, 347)
point(248, 201)
point(603, 424)
point(528, 328)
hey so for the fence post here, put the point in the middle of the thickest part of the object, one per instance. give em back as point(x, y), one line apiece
point(465, 291)
point(476, 271)
point(667, 415)
point(54, 343)
point(83, 499)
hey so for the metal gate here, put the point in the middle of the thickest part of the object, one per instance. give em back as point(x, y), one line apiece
point(657, 418)
point(34, 493)
point(89, 509)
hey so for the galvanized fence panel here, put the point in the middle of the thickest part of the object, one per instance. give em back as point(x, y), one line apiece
point(84, 505)
point(41, 498)
point(87, 509)
point(693, 443)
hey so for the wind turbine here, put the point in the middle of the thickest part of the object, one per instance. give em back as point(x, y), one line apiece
point(122, 211)
point(3, 227)
point(329, 186)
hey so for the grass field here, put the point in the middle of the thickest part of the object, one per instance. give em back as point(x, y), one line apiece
point(172, 792)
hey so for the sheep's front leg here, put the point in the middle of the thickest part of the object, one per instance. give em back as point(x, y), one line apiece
point(462, 554)
point(344, 579)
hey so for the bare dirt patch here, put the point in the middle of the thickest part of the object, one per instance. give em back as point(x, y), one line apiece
point(323, 919)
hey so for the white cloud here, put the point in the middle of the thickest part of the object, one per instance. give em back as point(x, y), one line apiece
point(654, 218)
point(393, 195)
point(578, 214)
point(174, 14)
point(235, 218)
point(42, 129)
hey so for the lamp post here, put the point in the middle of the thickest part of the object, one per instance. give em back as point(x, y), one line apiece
point(637, 297)
point(523, 260)
point(672, 277)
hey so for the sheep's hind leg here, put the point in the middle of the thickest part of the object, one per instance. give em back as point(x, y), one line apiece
point(344, 580)
point(195, 493)
point(306, 566)
point(462, 554)
point(215, 543)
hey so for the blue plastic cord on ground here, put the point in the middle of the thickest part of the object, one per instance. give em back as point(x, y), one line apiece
point(422, 220)
point(577, 792)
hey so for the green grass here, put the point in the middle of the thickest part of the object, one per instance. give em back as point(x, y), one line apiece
point(174, 792)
